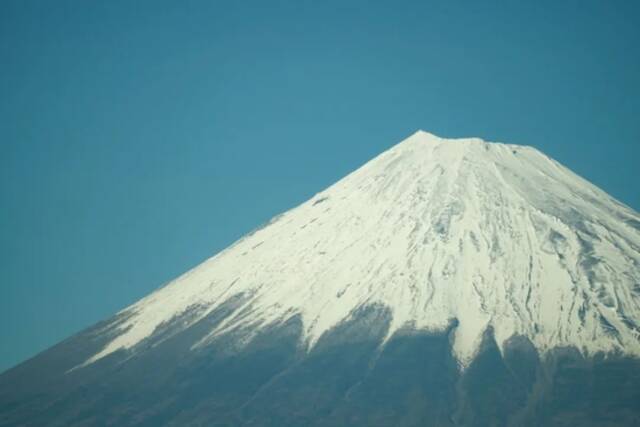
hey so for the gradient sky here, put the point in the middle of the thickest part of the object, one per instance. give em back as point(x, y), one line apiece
point(138, 138)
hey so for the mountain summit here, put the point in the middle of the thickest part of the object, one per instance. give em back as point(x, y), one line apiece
point(438, 269)
point(491, 235)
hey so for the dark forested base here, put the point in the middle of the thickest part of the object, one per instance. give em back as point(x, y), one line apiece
point(348, 379)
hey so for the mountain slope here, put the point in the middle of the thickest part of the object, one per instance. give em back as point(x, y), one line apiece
point(445, 282)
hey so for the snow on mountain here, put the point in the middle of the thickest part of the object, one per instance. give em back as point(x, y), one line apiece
point(490, 234)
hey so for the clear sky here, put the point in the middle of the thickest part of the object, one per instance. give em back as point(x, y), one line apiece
point(138, 138)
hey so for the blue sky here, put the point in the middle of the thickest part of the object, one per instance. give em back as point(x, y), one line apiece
point(139, 138)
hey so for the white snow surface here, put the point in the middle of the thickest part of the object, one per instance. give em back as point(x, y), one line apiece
point(435, 229)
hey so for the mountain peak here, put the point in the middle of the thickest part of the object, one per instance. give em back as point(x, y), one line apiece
point(437, 231)
point(473, 145)
point(424, 137)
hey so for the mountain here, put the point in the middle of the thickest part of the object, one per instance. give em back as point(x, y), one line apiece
point(445, 282)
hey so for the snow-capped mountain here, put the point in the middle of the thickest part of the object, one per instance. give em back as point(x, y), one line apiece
point(492, 235)
point(445, 282)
